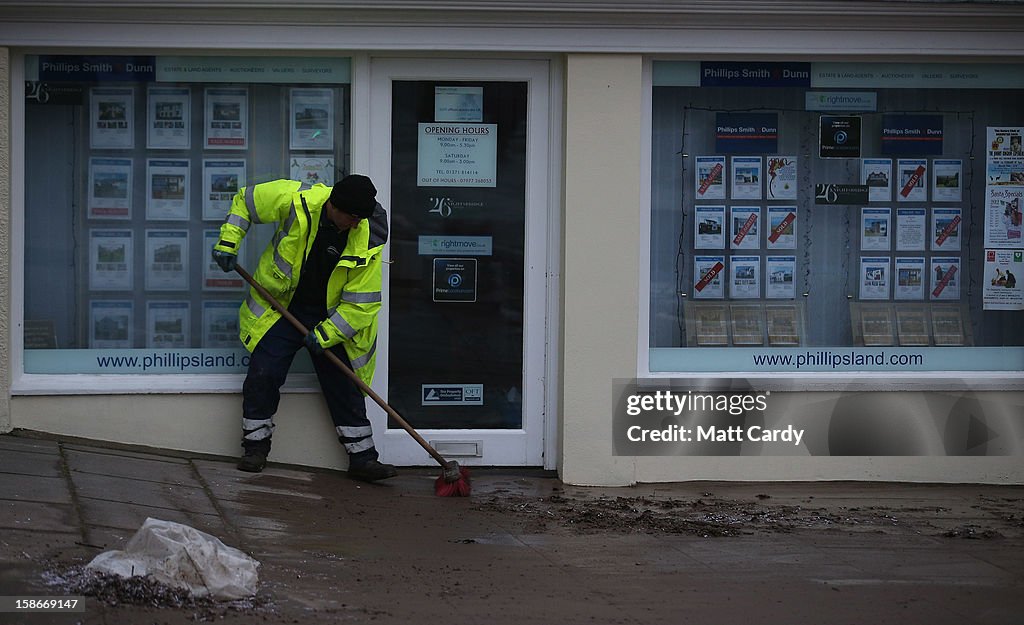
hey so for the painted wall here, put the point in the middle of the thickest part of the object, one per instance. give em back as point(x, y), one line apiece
point(601, 266)
point(201, 423)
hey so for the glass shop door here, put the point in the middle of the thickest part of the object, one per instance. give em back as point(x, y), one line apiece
point(459, 152)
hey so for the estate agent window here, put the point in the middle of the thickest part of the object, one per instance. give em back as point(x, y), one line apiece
point(130, 167)
point(833, 217)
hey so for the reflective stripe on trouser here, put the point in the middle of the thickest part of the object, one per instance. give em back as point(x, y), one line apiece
point(355, 439)
point(257, 429)
point(268, 367)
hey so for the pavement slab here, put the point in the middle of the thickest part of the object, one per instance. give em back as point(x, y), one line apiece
point(21, 514)
point(144, 468)
point(26, 461)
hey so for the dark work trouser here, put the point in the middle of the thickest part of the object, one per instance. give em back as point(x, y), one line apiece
point(268, 367)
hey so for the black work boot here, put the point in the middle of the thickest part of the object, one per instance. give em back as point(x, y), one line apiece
point(252, 461)
point(371, 471)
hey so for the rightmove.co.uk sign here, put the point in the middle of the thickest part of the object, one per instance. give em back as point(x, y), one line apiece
point(840, 101)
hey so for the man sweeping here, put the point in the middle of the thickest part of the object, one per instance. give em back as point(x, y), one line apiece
point(324, 265)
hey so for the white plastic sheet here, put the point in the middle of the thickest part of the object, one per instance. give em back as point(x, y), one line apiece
point(183, 557)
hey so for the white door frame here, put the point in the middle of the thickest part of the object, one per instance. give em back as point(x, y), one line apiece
point(533, 445)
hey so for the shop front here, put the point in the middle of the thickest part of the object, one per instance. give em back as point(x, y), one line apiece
point(585, 207)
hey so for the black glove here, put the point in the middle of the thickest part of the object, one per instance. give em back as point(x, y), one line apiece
point(226, 260)
point(313, 344)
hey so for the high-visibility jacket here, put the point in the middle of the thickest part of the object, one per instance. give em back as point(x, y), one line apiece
point(353, 289)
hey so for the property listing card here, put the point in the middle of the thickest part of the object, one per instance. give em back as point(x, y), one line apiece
point(910, 277)
point(166, 260)
point(708, 277)
point(110, 188)
point(167, 189)
point(111, 118)
point(710, 175)
point(875, 230)
point(910, 229)
point(912, 180)
point(781, 183)
point(111, 324)
point(110, 260)
point(946, 184)
point(876, 174)
point(746, 177)
point(226, 118)
point(167, 324)
point(781, 277)
point(709, 227)
point(168, 123)
point(744, 227)
point(946, 229)
point(945, 283)
point(222, 179)
point(874, 277)
point(781, 228)
point(745, 277)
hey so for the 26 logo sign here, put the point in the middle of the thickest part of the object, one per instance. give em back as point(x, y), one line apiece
point(36, 91)
point(840, 194)
point(826, 194)
point(441, 205)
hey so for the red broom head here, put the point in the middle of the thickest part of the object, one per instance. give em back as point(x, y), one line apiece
point(456, 488)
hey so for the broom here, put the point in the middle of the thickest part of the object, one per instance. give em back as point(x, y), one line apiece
point(454, 480)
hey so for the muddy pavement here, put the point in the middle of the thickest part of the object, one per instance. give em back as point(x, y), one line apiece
point(523, 549)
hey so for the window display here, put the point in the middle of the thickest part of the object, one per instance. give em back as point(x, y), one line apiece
point(128, 174)
point(883, 226)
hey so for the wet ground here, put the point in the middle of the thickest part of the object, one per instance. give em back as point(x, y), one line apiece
point(523, 549)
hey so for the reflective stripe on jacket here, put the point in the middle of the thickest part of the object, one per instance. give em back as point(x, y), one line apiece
point(353, 290)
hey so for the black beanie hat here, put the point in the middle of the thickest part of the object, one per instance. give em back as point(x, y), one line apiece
point(355, 195)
